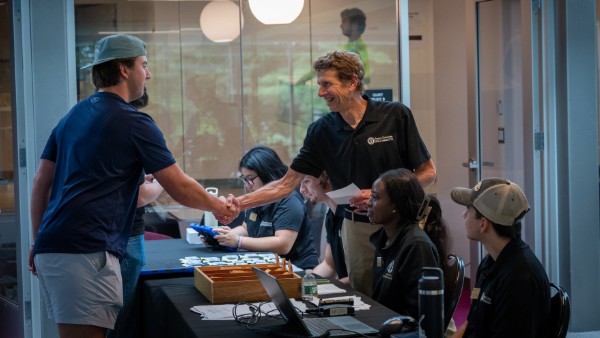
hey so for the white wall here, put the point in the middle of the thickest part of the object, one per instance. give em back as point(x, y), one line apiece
point(438, 78)
point(422, 91)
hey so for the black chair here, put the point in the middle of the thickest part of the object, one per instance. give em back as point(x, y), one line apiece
point(453, 284)
point(560, 311)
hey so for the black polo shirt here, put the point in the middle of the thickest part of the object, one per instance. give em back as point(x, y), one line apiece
point(333, 226)
point(397, 267)
point(511, 297)
point(286, 214)
point(386, 138)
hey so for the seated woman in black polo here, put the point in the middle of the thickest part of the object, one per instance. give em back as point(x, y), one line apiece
point(281, 227)
point(402, 248)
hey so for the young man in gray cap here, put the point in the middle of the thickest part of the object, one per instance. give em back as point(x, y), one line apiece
point(85, 191)
point(511, 297)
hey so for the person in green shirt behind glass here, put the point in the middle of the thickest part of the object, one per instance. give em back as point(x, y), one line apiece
point(354, 22)
point(353, 26)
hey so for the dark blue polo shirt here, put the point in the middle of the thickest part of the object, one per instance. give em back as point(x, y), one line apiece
point(386, 138)
point(288, 213)
point(511, 297)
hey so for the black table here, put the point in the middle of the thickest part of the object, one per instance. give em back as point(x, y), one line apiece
point(167, 303)
point(166, 292)
point(162, 262)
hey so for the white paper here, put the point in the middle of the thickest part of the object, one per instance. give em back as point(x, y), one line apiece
point(342, 196)
point(328, 289)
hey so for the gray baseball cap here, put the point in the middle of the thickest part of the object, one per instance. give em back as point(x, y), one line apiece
point(498, 199)
point(118, 46)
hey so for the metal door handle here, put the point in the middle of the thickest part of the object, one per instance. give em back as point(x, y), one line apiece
point(473, 164)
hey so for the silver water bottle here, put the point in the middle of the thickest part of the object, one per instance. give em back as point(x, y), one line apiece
point(431, 303)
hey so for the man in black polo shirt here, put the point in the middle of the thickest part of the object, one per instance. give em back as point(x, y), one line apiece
point(511, 297)
point(355, 143)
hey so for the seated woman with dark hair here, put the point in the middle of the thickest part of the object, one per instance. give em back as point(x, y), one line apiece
point(402, 247)
point(281, 227)
point(435, 227)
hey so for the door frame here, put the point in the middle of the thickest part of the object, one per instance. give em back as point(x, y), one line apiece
point(527, 50)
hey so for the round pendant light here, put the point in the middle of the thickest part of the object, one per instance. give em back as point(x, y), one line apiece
point(220, 21)
point(276, 12)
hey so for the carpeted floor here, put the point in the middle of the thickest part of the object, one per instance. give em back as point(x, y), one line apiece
point(594, 334)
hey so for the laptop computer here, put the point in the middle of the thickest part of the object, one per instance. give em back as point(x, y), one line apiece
point(340, 326)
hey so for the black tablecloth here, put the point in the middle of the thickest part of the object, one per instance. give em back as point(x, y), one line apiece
point(162, 262)
point(167, 303)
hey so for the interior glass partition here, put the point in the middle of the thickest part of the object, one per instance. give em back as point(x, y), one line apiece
point(214, 100)
point(9, 280)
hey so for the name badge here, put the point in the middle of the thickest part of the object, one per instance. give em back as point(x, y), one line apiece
point(252, 216)
point(475, 293)
point(379, 261)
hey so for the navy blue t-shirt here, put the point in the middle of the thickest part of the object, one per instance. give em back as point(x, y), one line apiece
point(99, 149)
point(386, 138)
point(286, 214)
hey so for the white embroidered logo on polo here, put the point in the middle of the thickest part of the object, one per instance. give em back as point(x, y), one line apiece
point(389, 271)
point(372, 140)
point(485, 299)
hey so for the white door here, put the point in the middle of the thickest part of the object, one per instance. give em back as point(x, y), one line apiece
point(498, 136)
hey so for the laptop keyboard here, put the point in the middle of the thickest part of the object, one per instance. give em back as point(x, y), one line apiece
point(318, 326)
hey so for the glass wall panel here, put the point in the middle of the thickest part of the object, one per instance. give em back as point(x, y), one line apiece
point(214, 100)
point(276, 111)
point(9, 230)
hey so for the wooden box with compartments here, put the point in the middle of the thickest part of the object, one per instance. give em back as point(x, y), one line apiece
point(238, 283)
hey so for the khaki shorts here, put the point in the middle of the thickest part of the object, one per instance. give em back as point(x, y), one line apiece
point(83, 289)
point(359, 254)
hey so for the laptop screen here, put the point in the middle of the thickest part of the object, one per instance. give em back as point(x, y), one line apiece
point(339, 326)
point(281, 301)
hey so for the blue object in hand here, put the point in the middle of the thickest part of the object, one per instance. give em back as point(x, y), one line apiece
point(208, 233)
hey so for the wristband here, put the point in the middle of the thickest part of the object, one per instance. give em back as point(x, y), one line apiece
point(239, 241)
